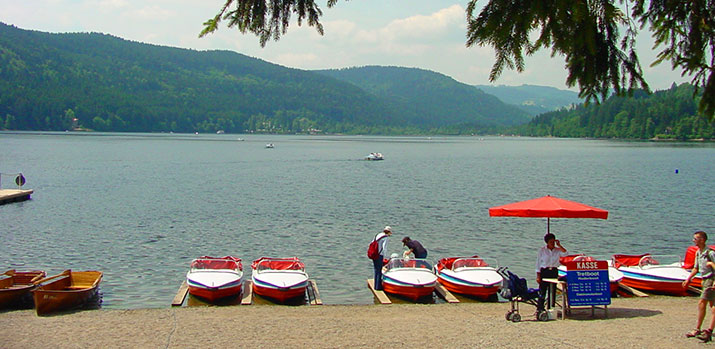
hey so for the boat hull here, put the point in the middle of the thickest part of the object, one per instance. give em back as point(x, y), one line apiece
point(281, 285)
point(66, 292)
point(647, 280)
point(410, 283)
point(468, 283)
point(214, 284)
point(281, 294)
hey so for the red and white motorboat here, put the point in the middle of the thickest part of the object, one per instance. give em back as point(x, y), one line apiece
point(410, 278)
point(281, 279)
point(653, 273)
point(471, 276)
point(215, 278)
point(614, 275)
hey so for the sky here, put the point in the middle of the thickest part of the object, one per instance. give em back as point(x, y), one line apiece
point(426, 34)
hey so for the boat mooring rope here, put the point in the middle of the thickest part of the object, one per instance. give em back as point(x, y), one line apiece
point(173, 329)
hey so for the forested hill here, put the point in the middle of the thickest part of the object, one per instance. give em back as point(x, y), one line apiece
point(110, 84)
point(431, 98)
point(667, 114)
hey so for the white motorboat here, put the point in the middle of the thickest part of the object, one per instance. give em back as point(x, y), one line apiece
point(472, 276)
point(411, 278)
point(270, 146)
point(279, 278)
point(654, 273)
point(214, 278)
point(374, 157)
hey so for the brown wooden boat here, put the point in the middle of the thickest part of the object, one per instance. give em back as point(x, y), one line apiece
point(66, 291)
point(15, 287)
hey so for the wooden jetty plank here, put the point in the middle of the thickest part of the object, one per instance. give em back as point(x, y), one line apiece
point(180, 295)
point(247, 297)
point(316, 294)
point(10, 195)
point(693, 289)
point(381, 296)
point(632, 290)
point(444, 293)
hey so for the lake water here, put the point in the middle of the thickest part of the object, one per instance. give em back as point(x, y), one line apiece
point(140, 207)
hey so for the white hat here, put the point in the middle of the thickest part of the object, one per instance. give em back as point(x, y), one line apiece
point(387, 228)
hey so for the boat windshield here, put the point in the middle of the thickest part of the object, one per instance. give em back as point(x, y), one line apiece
point(464, 263)
point(412, 263)
point(264, 264)
point(216, 263)
point(660, 261)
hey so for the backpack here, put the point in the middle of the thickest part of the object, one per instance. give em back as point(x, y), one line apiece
point(373, 250)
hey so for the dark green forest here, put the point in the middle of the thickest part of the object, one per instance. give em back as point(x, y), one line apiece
point(667, 114)
point(104, 83)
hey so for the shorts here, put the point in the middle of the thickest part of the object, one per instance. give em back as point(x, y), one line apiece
point(708, 292)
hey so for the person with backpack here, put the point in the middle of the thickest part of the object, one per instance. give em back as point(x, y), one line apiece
point(376, 252)
point(705, 264)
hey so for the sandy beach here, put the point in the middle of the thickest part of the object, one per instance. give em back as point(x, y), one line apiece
point(655, 322)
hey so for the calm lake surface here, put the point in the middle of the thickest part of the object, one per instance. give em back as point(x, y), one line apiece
point(140, 207)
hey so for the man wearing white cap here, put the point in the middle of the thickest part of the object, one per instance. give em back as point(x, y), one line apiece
point(377, 263)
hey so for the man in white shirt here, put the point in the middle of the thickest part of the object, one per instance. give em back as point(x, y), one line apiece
point(547, 263)
point(377, 264)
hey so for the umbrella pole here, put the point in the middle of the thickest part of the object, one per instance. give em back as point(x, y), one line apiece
point(548, 225)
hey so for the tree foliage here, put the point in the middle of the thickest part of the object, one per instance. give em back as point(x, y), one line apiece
point(586, 32)
point(668, 114)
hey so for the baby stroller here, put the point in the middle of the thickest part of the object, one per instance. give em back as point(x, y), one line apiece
point(517, 292)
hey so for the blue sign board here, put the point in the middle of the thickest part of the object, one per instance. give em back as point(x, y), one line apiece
point(588, 283)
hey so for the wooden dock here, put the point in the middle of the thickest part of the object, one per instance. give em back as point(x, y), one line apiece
point(247, 296)
point(444, 293)
point(380, 295)
point(13, 195)
point(180, 295)
point(313, 293)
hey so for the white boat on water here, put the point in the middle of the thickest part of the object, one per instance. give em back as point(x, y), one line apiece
point(473, 276)
point(374, 156)
point(411, 278)
point(214, 278)
point(654, 273)
point(279, 278)
point(270, 146)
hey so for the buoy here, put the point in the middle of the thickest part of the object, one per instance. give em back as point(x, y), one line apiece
point(676, 171)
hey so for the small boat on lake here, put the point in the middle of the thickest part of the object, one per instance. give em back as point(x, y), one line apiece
point(471, 276)
point(270, 146)
point(410, 278)
point(281, 279)
point(614, 275)
point(15, 287)
point(215, 278)
point(66, 291)
point(374, 157)
point(658, 274)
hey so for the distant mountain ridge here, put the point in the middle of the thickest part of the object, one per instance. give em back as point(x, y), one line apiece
point(533, 99)
point(430, 97)
point(101, 82)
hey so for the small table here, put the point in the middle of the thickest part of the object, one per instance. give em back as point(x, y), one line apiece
point(565, 306)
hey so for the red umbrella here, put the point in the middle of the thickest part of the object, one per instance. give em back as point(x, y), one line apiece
point(548, 206)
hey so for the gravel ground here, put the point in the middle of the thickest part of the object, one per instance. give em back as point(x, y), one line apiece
point(654, 322)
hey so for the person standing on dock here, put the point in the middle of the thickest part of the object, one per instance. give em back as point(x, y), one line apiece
point(547, 263)
point(414, 247)
point(377, 263)
point(704, 264)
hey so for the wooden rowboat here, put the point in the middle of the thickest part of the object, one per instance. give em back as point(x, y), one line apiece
point(66, 291)
point(15, 287)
